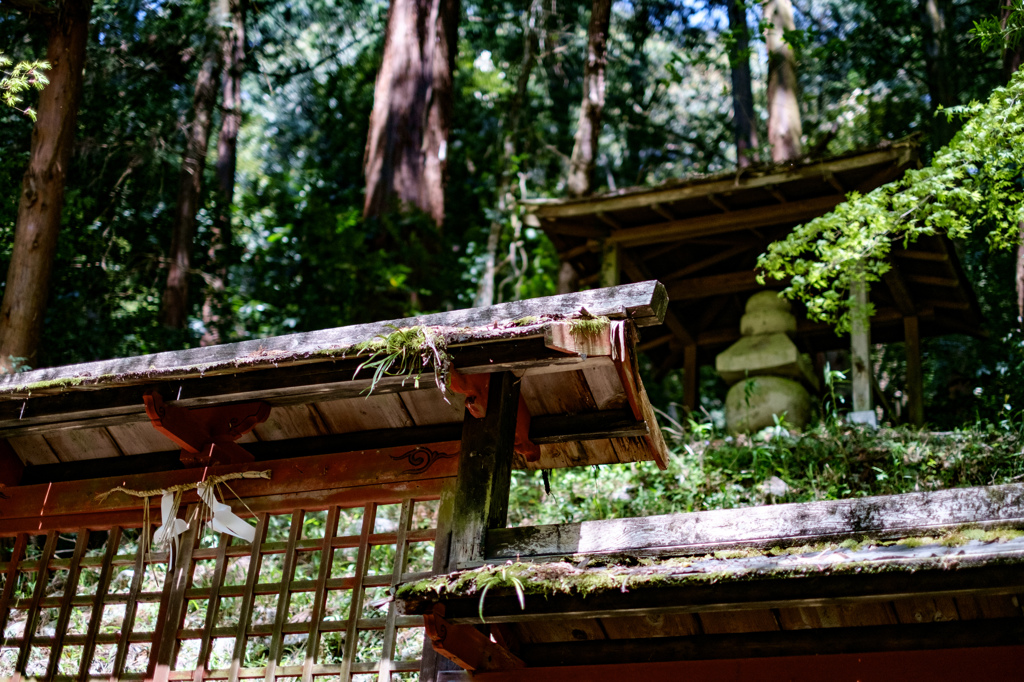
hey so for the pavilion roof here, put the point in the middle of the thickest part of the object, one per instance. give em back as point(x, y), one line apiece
point(581, 409)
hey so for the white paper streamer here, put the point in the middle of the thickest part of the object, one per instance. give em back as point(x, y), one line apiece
point(224, 520)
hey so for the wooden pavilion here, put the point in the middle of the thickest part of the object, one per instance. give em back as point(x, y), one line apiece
point(701, 236)
point(290, 496)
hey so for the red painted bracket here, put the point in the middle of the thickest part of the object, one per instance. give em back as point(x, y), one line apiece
point(523, 445)
point(466, 646)
point(474, 387)
point(206, 435)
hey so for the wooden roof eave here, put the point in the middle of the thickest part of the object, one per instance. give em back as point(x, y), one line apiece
point(899, 154)
point(643, 303)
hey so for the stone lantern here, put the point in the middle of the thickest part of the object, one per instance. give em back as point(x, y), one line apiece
point(767, 373)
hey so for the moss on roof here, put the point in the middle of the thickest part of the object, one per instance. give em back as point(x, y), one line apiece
point(626, 573)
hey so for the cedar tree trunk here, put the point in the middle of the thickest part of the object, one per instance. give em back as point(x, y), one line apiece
point(407, 144)
point(744, 126)
point(42, 189)
point(174, 310)
point(584, 150)
point(784, 128)
point(233, 57)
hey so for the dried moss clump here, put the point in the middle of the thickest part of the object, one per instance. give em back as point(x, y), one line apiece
point(408, 352)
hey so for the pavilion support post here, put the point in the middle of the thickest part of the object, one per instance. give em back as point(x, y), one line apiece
point(860, 355)
point(610, 264)
point(915, 382)
point(485, 471)
point(691, 379)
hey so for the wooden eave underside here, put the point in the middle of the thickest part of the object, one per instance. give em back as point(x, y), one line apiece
point(829, 599)
point(702, 238)
point(89, 420)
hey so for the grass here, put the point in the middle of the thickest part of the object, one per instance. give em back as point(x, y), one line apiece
point(709, 470)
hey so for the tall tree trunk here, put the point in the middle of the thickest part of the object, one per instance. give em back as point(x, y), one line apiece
point(42, 189)
point(784, 127)
point(743, 124)
point(174, 311)
point(939, 53)
point(533, 21)
point(584, 150)
point(407, 145)
point(233, 57)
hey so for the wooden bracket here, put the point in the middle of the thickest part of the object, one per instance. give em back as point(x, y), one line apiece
point(206, 435)
point(466, 646)
point(641, 407)
point(474, 387)
point(11, 467)
point(523, 445)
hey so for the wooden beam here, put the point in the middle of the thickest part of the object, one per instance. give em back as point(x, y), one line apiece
point(932, 281)
point(485, 471)
point(825, 641)
point(949, 664)
point(718, 203)
point(726, 182)
point(663, 211)
point(883, 517)
point(289, 477)
point(469, 648)
point(860, 348)
point(117, 404)
point(587, 426)
point(915, 381)
point(915, 254)
point(643, 302)
point(717, 257)
point(11, 468)
point(714, 285)
point(610, 264)
point(793, 212)
point(900, 292)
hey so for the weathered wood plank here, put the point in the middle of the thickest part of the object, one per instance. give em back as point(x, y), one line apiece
point(700, 532)
point(643, 302)
point(999, 632)
point(981, 663)
point(793, 212)
point(121, 403)
point(590, 426)
point(369, 413)
point(485, 471)
point(726, 183)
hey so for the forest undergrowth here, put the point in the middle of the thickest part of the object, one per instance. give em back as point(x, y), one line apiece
point(709, 469)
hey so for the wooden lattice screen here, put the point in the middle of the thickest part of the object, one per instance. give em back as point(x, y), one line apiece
point(310, 600)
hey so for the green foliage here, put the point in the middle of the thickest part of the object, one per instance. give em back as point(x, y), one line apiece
point(16, 79)
point(975, 181)
point(831, 461)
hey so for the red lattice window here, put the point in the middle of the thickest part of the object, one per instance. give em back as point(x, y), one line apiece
point(310, 600)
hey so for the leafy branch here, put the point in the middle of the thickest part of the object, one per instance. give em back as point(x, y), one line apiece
point(978, 179)
point(22, 77)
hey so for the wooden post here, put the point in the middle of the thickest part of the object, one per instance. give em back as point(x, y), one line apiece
point(914, 383)
point(485, 471)
point(691, 379)
point(860, 355)
point(610, 264)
